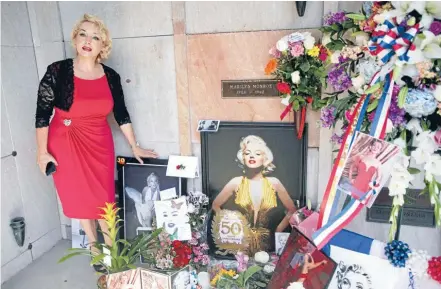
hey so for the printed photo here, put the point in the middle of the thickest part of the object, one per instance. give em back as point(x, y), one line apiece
point(172, 215)
point(302, 263)
point(367, 168)
point(281, 239)
point(124, 280)
point(181, 279)
point(257, 170)
point(141, 185)
point(152, 280)
point(360, 271)
point(208, 125)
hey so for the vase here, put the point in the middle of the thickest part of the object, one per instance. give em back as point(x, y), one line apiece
point(102, 282)
point(301, 7)
point(18, 229)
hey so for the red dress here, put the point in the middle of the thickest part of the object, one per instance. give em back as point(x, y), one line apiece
point(81, 141)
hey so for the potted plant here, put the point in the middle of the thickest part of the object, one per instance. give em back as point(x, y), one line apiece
point(122, 253)
point(237, 281)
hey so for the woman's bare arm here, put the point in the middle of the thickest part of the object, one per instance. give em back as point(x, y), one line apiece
point(225, 194)
point(286, 201)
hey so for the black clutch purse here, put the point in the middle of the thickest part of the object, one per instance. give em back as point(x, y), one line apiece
point(50, 168)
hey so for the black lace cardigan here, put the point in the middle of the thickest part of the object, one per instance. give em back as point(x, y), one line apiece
point(57, 90)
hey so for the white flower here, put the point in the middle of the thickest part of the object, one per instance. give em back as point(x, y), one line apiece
point(190, 208)
point(389, 126)
point(426, 48)
point(420, 156)
point(326, 38)
point(380, 18)
point(285, 100)
point(399, 142)
point(269, 269)
point(396, 188)
point(309, 40)
point(362, 39)
point(335, 56)
point(296, 285)
point(261, 257)
point(426, 142)
point(402, 161)
point(282, 44)
point(358, 82)
point(414, 126)
point(433, 165)
point(295, 77)
point(437, 93)
point(401, 178)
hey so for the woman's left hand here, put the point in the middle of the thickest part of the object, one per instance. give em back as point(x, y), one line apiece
point(143, 153)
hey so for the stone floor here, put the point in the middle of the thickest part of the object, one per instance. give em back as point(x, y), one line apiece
point(46, 273)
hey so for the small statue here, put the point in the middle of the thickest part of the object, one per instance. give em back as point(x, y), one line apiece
point(242, 259)
point(193, 281)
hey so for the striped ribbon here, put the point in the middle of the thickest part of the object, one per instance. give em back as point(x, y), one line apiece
point(390, 38)
point(330, 222)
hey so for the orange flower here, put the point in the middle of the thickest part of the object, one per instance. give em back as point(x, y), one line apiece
point(271, 66)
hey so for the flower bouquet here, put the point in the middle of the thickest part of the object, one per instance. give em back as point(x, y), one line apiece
point(390, 48)
point(300, 66)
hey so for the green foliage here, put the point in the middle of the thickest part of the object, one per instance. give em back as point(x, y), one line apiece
point(241, 280)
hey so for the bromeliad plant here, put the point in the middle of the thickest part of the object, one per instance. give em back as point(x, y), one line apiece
point(121, 254)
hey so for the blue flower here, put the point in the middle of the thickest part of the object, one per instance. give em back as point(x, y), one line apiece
point(420, 103)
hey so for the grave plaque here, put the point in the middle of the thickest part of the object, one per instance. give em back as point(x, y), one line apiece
point(417, 210)
point(249, 88)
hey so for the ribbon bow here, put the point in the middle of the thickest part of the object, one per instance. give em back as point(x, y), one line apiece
point(390, 38)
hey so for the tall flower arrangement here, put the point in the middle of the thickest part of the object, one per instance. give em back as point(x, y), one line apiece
point(299, 63)
point(402, 38)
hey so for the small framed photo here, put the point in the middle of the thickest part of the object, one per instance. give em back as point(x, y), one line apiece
point(208, 125)
point(140, 185)
point(281, 239)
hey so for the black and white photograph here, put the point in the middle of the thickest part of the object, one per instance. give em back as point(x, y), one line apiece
point(367, 167)
point(181, 279)
point(281, 239)
point(256, 169)
point(140, 187)
point(208, 125)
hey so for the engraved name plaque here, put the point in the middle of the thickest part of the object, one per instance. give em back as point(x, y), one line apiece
point(249, 88)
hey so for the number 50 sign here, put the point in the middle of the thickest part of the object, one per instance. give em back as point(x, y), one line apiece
point(231, 230)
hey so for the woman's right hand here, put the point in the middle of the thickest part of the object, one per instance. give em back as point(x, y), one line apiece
point(43, 160)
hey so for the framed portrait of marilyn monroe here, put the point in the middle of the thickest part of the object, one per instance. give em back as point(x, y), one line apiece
point(253, 174)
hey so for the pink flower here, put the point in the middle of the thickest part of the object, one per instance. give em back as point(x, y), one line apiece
point(437, 137)
point(274, 52)
point(297, 50)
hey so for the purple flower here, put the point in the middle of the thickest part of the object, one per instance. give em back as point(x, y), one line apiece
point(435, 27)
point(328, 116)
point(333, 18)
point(339, 79)
point(337, 139)
point(396, 114)
point(371, 116)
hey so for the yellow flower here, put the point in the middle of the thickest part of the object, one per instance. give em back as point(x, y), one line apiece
point(314, 52)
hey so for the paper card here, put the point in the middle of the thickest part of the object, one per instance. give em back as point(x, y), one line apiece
point(208, 125)
point(281, 239)
point(129, 279)
point(363, 271)
point(183, 167)
point(172, 216)
point(309, 226)
point(168, 194)
point(367, 168)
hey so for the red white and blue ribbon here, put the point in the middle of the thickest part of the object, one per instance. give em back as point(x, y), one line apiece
point(391, 38)
point(330, 222)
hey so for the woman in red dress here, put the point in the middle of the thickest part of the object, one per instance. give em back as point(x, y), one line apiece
point(82, 92)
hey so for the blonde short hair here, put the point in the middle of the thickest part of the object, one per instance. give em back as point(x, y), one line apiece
point(105, 35)
point(268, 164)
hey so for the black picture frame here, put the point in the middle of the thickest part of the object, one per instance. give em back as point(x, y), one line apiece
point(129, 170)
point(296, 151)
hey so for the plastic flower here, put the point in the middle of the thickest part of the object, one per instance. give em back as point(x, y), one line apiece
point(314, 52)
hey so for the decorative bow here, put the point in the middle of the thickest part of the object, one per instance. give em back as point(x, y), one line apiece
point(390, 38)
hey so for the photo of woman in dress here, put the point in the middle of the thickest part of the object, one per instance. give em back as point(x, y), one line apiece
point(255, 194)
point(367, 167)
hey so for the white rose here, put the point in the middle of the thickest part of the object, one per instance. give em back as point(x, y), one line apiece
point(295, 77)
point(309, 42)
point(326, 39)
point(437, 93)
point(358, 82)
point(335, 56)
point(282, 44)
point(389, 126)
point(261, 257)
point(285, 100)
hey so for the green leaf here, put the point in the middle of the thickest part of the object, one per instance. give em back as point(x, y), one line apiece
point(373, 105)
point(97, 259)
point(250, 272)
point(335, 27)
point(305, 66)
point(402, 96)
point(354, 16)
point(335, 45)
point(131, 266)
point(295, 104)
point(413, 171)
point(68, 256)
point(373, 88)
